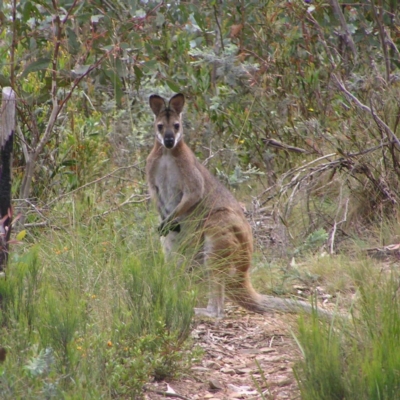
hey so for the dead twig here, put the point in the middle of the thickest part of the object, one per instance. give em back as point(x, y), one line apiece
point(336, 224)
point(282, 146)
point(165, 393)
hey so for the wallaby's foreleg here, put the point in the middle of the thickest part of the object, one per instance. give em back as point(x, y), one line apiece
point(189, 199)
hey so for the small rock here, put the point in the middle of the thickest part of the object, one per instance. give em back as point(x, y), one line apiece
point(281, 382)
point(266, 350)
point(228, 370)
point(200, 369)
point(234, 395)
point(214, 384)
point(211, 364)
point(242, 371)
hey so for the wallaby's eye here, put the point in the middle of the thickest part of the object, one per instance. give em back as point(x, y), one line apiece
point(160, 127)
point(176, 126)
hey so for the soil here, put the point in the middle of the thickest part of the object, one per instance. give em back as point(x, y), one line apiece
point(246, 356)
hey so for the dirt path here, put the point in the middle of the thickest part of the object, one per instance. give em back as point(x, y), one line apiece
point(236, 349)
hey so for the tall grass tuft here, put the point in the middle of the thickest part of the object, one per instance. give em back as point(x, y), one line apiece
point(358, 358)
point(92, 311)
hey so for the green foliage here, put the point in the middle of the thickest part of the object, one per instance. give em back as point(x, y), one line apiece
point(253, 71)
point(85, 315)
point(357, 358)
point(313, 242)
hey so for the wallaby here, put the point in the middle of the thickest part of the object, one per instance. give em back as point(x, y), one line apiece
point(193, 203)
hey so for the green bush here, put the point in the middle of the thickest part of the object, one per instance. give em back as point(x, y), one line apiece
point(358, 358)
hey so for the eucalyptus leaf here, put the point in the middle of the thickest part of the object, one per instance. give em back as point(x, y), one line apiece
point(39, 65)
point(172, 85)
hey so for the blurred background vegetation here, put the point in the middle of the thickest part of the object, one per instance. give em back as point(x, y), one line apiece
point(294, 105)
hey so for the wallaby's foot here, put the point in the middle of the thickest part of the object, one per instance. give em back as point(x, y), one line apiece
point(209, 312)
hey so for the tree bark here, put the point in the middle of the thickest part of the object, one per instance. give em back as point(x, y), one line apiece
point(7, 129)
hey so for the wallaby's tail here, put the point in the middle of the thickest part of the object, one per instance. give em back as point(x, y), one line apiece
point(241, 291)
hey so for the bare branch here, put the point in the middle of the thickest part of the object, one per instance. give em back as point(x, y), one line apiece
point(336, 224)
point(382, 35)
point(379, 122)
point(345, 29)
point(282, 146)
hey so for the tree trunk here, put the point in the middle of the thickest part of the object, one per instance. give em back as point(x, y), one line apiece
point(7, 129)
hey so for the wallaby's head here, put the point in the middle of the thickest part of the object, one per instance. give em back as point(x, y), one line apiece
point(168, 121)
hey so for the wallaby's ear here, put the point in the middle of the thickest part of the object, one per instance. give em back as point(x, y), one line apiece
point(157, 104)
point(177, 102)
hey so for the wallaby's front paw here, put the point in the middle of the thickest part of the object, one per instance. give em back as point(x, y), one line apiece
point(166, 227)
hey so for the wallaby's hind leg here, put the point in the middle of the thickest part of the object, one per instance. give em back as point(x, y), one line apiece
point(228, 253)
point(217, 265)
point(215, 306)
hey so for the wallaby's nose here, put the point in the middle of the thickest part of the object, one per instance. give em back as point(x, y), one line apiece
point(169, 140)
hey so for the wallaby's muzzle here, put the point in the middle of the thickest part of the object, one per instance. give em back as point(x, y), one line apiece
point(169, 140)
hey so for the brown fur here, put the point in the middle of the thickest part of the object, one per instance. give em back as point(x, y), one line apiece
point(196, 208)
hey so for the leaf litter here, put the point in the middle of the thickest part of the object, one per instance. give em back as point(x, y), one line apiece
point(246, 356)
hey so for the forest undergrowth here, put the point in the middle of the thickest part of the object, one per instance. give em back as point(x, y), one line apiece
point(293, 105)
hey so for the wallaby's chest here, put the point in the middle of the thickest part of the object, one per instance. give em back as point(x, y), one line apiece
point(168, 182)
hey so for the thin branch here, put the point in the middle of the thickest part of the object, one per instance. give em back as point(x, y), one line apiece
point(219, 30)
point(381, 30)
point(23, 142)
point(322, 40)
point(346, 32)
point(56, 107)
point(335, 225)
point(282, 146)
point(91, 183)
point(79, 79)
point(363, 107)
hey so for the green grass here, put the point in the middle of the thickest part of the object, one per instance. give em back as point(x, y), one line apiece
point(92, 311)
point(358, 358)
